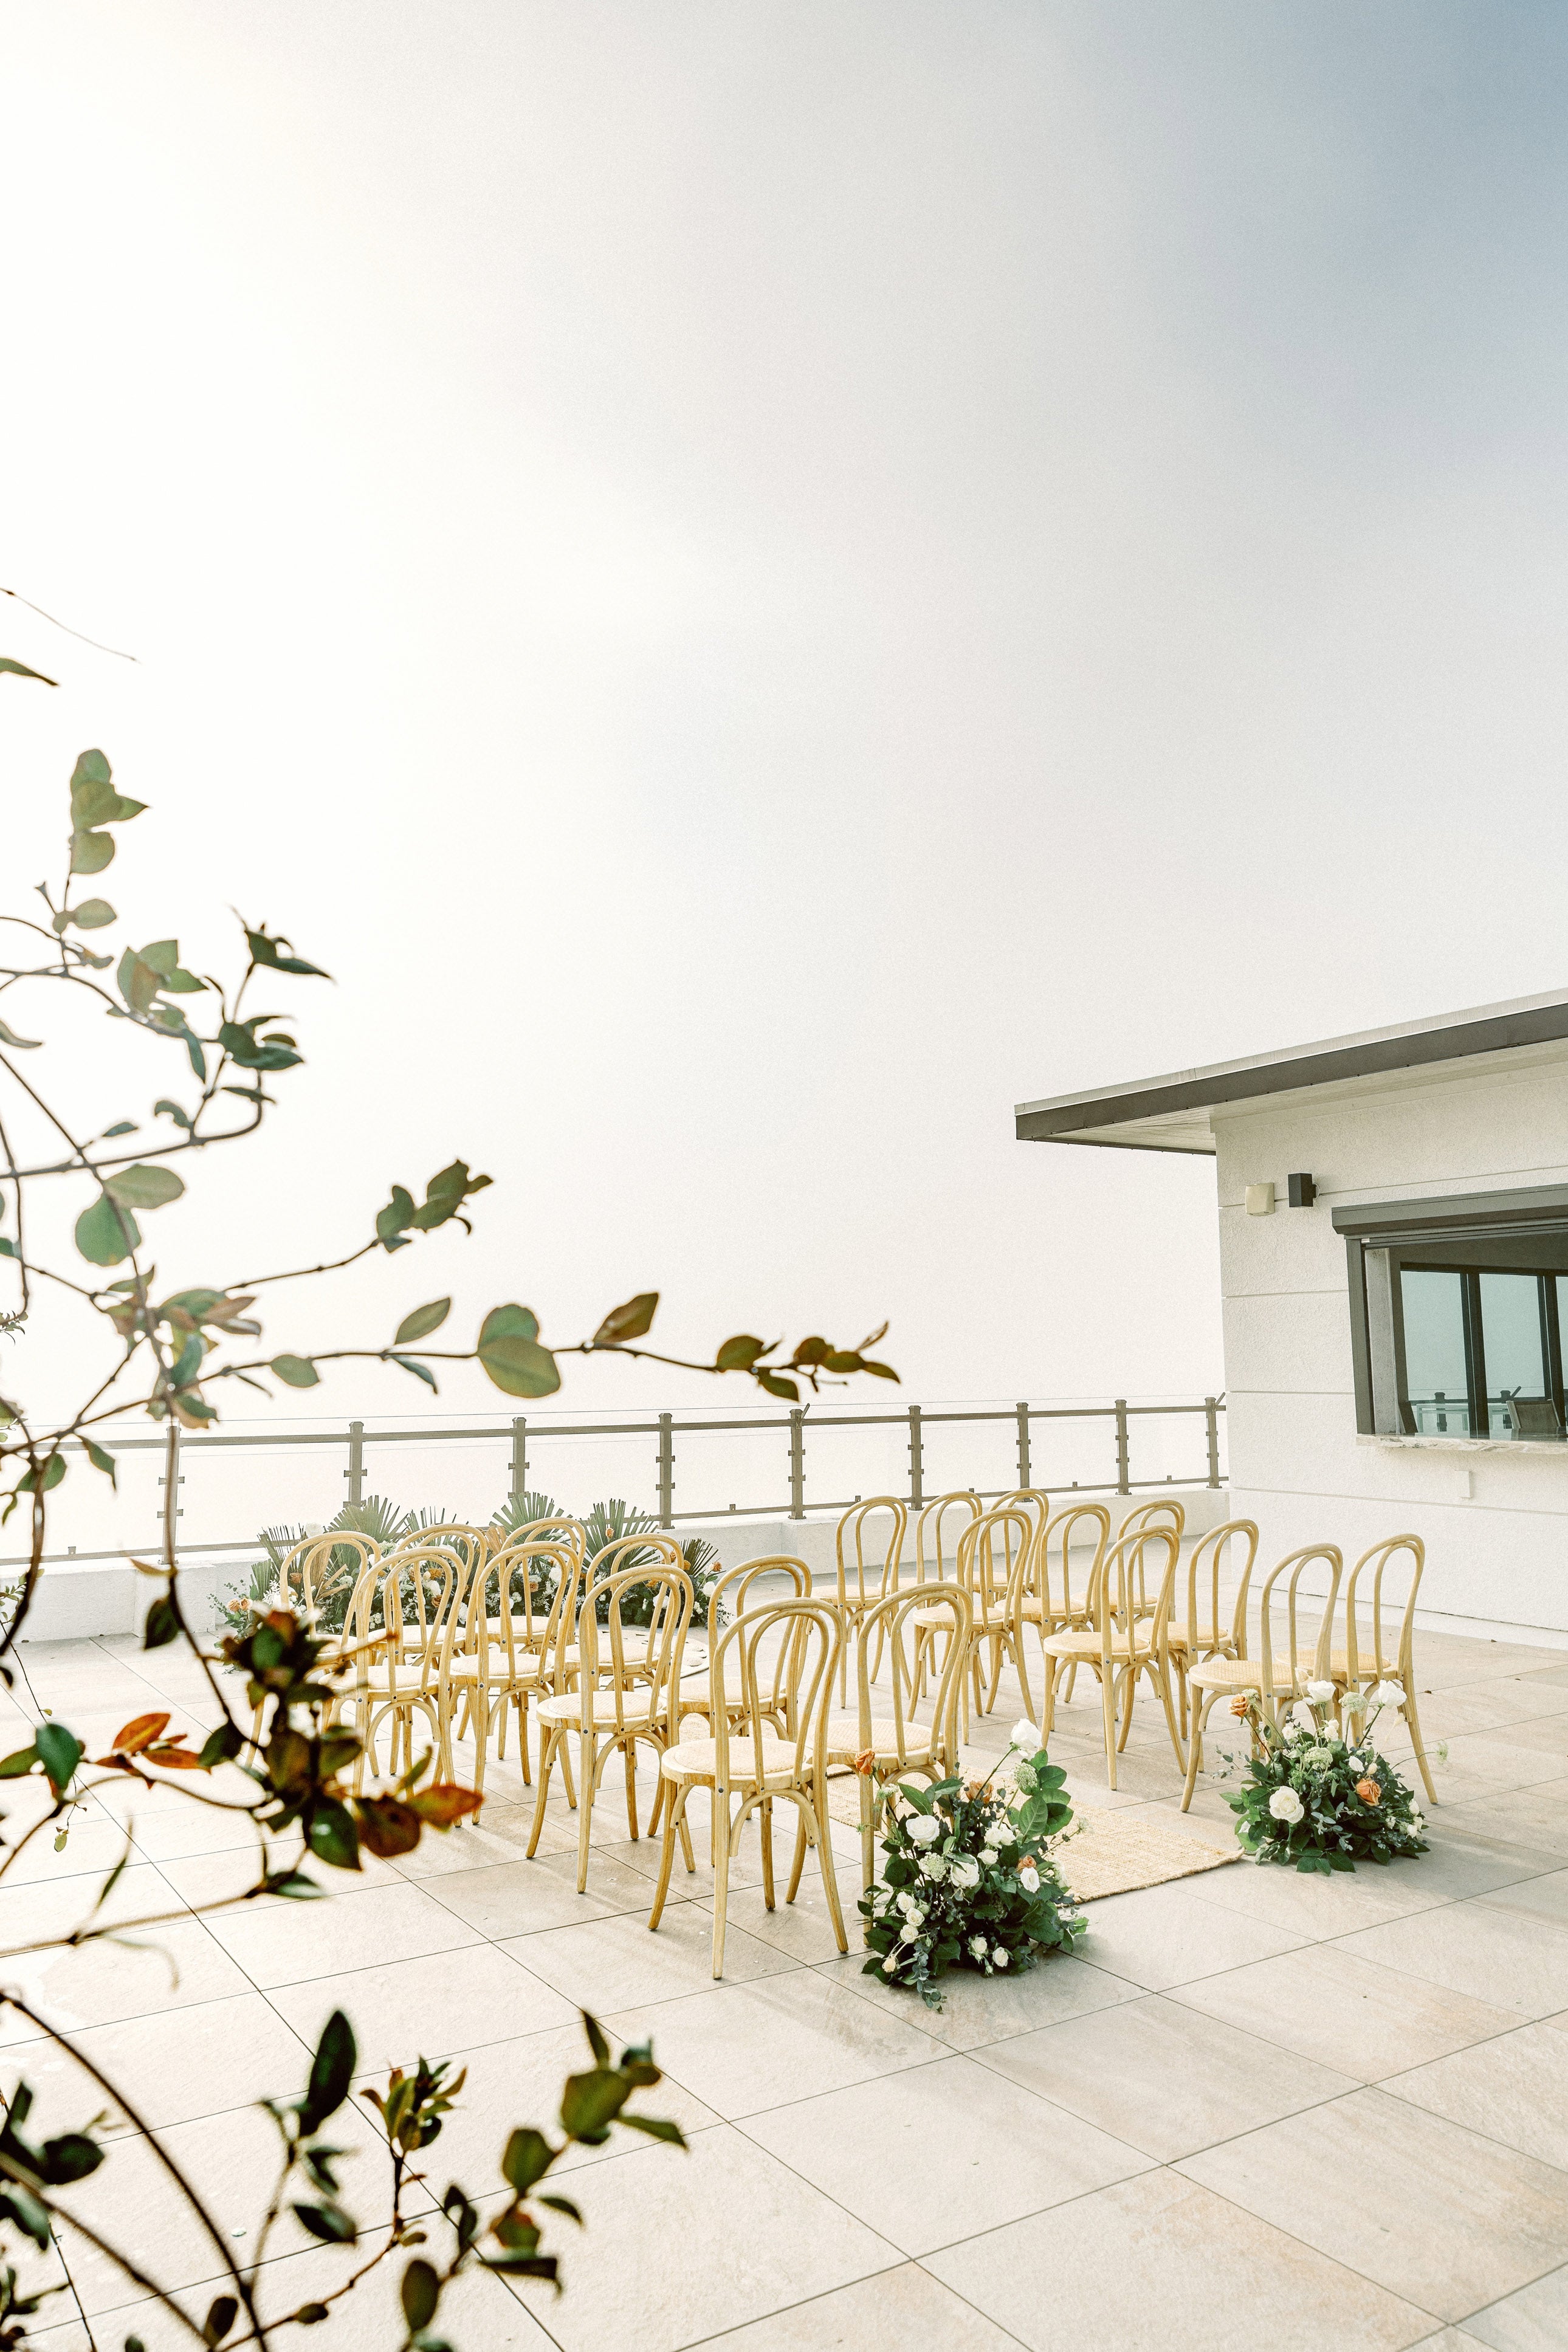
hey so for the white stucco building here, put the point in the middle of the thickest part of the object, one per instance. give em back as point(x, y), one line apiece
point(1394, 1256)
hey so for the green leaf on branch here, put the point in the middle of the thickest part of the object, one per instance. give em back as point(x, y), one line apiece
point(103, 1461)
point(445, 1195)
point(92, 915)
point(657, 2127)
point(329, 2222)
point(332, 1836)
point(9, 669)
point(264, 950)
point(163, 1626)
point(627, 1322)
point(163, 957)
point(137, 981)
point(420, 2291)
point(776, 1384)
point(412, 1364)
point(221, 1746)
point(143, 1186)
point(164, 1108)
point(94, 800)
point(422, 1322)
point(332, 2072)
point(188, 1363)
point(120, 1126)
point(60, 1752)
point(106, 1233)
point(91, 852)
point(739, 1354)
point(222, 2313)
point(8, 1037)
point(528, 2157)
point(509, 1351)
point(240, 1043)
point(298, 1370)
point(54, 1471)
point(20, 1760)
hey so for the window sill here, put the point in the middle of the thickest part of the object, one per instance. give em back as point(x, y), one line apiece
point(1463, 1444)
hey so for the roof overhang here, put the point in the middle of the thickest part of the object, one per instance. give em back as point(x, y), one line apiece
point(1175, 1113)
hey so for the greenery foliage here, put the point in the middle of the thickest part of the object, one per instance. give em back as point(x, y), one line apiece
point(1319, 1795)
point(969, 1877)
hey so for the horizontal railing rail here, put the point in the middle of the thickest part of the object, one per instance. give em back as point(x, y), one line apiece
point(666, 1427)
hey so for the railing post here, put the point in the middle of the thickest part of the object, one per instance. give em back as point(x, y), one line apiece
point(1024, 1479)
point(170, 1507)
point(666, 1470)
point(1123, 1484)
point(518, 1457)
point(796, 1463)
point(1211, 1420)
point(354, 1474)
point(917, 1461)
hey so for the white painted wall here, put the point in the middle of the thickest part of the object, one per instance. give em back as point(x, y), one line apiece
point(1494, 1518)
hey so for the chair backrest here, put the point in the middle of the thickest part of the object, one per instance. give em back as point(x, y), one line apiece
point(731, 1594)
point(993, 1556)
point(467, 1546)
point(888, 1621)
point(1147, 1556)
point(852, 1530)
point(396, 1624)
point(1209, 1556)
point(522, 1582)
point(1291, 1656)
point(932, 1562)
point(567, 1531)
point(742, 1682)
point(646, 1669)
point(309, 1576)
point(1037, 1506)
point(1383, 1660)
point(1168, 1513)
point(1054, 1591)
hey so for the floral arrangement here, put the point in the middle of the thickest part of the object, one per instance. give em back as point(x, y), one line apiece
point(1317, 1792)
point(969, 1879)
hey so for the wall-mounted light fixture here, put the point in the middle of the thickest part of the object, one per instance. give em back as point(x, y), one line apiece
point(1260, 1199)
point(1302, 1192)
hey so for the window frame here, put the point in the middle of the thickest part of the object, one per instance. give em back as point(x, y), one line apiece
point(1374, 1233)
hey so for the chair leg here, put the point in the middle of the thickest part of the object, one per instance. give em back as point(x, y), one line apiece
point(799, 1862)
point(1163, 1684)
point(522, 1736)
point(1072, 1679)
point(720, 1878)
point(1017, 1645)
point(589, 1743)
point(824, 1857)
point(1408, 1710)
point(1108, 1715)
point(629, 1750)
point(566, 1779)
point(1049, 1711)
point(553, 1739)
point(667, 1858)
point(1200, 1716)
point(766, 1829)
point(1127, 1684)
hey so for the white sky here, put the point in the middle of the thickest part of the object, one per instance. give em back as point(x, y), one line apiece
point(762, 582)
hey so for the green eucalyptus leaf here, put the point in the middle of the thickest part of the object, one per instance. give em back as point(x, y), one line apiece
point(8, 1037)
point(509, 1323)
point(54, 1471)
point(627, 1322)
point(264, 951)
point(9, 669)
point(144, 1186)
point(422, 1322)
point(412, 1364)
point(520, 1367)
point(92, 915)
point(102, 1461)
point(120, 1126)
point(298, 1370)
point(91, 852)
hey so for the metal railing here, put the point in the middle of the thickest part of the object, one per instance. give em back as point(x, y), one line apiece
point(666, 1427)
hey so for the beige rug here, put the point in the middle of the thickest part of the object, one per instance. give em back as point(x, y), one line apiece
point(1105, 1853)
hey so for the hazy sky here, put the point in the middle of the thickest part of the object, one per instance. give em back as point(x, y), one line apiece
point(761, 581)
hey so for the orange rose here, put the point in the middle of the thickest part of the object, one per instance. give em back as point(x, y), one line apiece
point(1241, 1704)
point(1369, 1792)
point(865, 1762)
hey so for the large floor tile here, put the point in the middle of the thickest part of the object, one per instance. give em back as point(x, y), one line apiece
point(744, 2047)
point(617, 1963)
point(524, 1898)
point(1535, 1817)
point(976, 2009)
point(1500, 1956)
point(1166, 1936)
point(1513, 2089)
point(1360, 2018)
point(802, 1929)
point(98, 1983)
point(500, 1833)
point(413, 2008)
point(1158, 2264)
point(170, 2068)
point(293, 1942)
point(942, 2152)
point(1463, 1858)
point(1534, 1898)
point(1533, 2320)
point(1313, 1908)
point(1427, 2209)
point(895, 2311)
point(699, 2243)
point(1165, 2078)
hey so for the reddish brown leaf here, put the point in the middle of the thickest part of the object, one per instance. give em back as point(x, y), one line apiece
point(387, 1826)
point(445, 1803)
point(179, 1759)
point(140, 1732)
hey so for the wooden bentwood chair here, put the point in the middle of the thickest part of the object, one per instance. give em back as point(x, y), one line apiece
point(1357, 1667)
point(890, 1742)
point(1126, 1639)
point(744, 1756)
point(1281, 1671)
point(864, 1582)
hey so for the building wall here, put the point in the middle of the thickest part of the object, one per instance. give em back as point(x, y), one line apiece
point(1494, 1518)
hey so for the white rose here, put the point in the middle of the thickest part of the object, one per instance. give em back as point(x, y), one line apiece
point(932, 1866)
point(1028, 1878)
point(965, 1870)
point(1026, 1734)
point(1286, 1805)
point(989, 1859)
point(1321, 1694)
point(977, 1946)
point(891, 1964)
point(1389, 1695)
point(925, 1829)
point(999, 1956)
point(1004, 1835)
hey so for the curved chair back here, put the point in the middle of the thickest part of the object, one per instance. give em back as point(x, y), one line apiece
point(568, 1532)
point(732, 1594)
point(742, 1685)
point(891, 1620)
point(467, 1546)
point(522, 1582)
point(932, 1564)
point(1291, 1656)
point(309, 1576)
point(1206, 1563)
point(397, 1619)
point(1053, 1590)
point(853, 1531)
point(992, 1553)
point(1037, 1505)
point(646, 1666)
point(1148, 1555)
point(1169, 1513)
point(1383, 1660)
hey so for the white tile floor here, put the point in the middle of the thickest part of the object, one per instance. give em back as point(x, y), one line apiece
point(1253, 2108)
